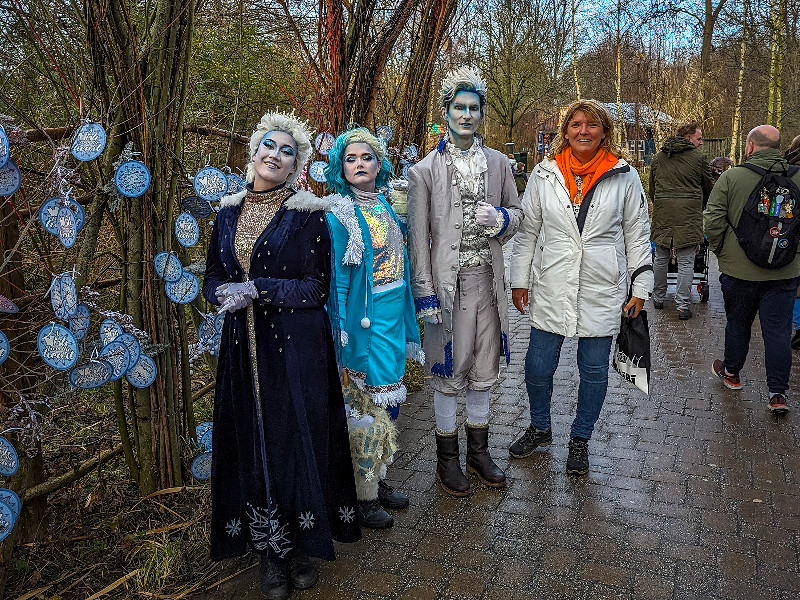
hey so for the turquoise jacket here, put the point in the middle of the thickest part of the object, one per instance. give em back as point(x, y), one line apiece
point(352, 282)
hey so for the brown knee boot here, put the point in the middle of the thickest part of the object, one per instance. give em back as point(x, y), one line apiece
point(448, 468)
point(478, 459)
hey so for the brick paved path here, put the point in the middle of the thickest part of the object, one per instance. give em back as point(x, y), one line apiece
point(693, 492)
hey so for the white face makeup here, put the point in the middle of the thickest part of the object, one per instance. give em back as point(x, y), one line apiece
point(274, 161)
point(463, 116)
point(361, 166)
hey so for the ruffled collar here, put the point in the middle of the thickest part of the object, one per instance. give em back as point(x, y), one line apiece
point(470, 163)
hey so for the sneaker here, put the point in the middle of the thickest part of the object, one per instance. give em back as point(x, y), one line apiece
point(777, 404)
point(796, 339)
point(731, 381)
point(530, 440)
point(578, 459)
point(390, 498)
point(658, 305)
point(684, 314)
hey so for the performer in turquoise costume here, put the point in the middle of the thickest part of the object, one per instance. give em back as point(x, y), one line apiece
point(375, 310)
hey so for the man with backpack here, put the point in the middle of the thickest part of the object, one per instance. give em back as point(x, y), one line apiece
point(752, 222)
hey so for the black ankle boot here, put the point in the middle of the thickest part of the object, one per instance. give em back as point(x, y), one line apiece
point(391, 498)
point(372, 515)
point(274, 583)
point(478, 459)
point(303, 572)
point(448, 468)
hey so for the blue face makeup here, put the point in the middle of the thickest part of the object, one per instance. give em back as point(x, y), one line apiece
point(270, 144)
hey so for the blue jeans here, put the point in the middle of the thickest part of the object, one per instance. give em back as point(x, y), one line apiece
point(796, 313)
point(774, 302)
point(544, 350)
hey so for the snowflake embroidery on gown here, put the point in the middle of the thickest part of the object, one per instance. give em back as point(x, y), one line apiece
point(306, 520)
point(369, 475)
point(266, 531)
point(234, 527)
point(347, 514)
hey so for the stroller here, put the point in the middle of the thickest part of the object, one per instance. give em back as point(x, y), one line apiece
point(700, 269)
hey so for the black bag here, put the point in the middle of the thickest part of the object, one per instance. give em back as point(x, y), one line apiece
point(632, 349)
point(769, 228)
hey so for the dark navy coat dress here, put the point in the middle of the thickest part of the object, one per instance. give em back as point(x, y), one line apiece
point(283, 481)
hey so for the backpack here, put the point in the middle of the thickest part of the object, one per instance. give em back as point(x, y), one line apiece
point(769, 228)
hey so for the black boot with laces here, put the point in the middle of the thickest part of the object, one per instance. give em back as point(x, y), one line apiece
point(578, 459)
point(530, 440)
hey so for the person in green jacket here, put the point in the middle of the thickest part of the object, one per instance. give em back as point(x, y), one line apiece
point(748, 289)
point(680, 182)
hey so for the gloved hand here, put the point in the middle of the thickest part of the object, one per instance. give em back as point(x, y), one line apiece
point(234, 302)
point(485, 214)
point(248, 288)
point(434, 319)
point(220, 292)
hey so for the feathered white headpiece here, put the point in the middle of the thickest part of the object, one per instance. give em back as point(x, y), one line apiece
point(288, 123)
point(462, 79)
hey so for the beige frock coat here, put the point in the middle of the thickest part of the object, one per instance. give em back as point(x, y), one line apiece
point(435, 221)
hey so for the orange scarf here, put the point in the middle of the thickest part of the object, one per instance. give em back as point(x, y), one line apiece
point(590, 172)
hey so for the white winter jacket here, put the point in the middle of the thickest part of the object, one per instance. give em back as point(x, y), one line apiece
point(579, 281)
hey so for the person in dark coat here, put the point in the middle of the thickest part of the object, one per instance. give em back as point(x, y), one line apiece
point(281, 478)
point(680, 182)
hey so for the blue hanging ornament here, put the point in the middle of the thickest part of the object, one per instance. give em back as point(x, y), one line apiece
point(5, 347)
point(63, 296)
point(184, 290)
point(143, 373)
point(210, 184)
point(67, 228)
point(4, 147)
point(324, 142)
point(201, 466)
point(48, 214)
point(9, 461)
point(116, 354)
point(91, 375)
point(79, 322)
point(317, 171)
point(90, 141)
point(109, 331)
point(205, 441)
point(235, 183)
point(201, 429)
point(133, 347)
point(57, 346)
point(168, 266)
point(132, 178)
point(186, 230)
point(12, 500)
point(384, 133)
point(7, 520)
point(10, 178)
point(199, 209)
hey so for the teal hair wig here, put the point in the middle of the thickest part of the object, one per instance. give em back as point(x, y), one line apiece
point(334, 172)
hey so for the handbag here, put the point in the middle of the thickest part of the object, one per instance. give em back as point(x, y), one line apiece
point(632, 348)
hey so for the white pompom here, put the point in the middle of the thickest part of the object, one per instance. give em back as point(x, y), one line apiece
point(365, 323)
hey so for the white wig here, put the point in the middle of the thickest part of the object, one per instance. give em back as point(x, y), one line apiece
point(288, 123)
point(462, 79)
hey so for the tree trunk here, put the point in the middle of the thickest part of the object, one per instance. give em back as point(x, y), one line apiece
point(575, 53)
point(144, 67)
point(736, 129)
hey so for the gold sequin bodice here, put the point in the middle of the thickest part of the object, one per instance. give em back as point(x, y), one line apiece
point(258, 209)
point(388, 261)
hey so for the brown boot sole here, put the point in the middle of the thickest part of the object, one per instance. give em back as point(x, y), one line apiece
point(454, 493)
point(491, 484)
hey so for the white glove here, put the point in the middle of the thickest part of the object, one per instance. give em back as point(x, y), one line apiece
point(234, 302)
point(433, 319)
point(485, 214)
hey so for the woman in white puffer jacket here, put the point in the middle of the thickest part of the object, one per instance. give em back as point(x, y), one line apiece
point(586, 230)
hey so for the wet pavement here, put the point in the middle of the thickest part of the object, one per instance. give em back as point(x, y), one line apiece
point(693, 491)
